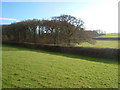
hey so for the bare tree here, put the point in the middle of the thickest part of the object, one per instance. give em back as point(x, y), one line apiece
point(69, 26)
point(64, 30)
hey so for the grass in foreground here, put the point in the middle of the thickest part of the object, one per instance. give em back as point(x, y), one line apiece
point(101, 44)
point(27, 68)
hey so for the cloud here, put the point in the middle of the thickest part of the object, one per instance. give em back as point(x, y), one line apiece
point(8, 19)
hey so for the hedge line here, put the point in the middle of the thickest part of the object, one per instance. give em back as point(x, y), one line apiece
point(105, 53)
point(106, 38)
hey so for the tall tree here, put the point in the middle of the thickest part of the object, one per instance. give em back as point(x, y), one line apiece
point(69, 26)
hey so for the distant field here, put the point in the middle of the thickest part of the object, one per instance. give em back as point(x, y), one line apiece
point(27, 68)
point(112, 35)
point(101, 44)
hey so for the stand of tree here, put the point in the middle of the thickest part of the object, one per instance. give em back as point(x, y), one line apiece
point(60, 30)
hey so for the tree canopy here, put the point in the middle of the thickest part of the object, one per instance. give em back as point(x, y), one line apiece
point(60, 30)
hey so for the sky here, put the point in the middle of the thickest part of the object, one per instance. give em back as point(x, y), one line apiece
point(97, 14)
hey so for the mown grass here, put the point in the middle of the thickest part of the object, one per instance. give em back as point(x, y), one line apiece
point(112, 35)
point(27, 68)
point(0, 66)
point(101, 44)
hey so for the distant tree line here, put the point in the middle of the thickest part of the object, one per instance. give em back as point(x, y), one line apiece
point(60, 30)
point(100, 32)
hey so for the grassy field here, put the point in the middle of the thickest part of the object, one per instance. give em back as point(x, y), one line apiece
point(104, 43)
point(27, 68)
point(101, 44)
point(112, 35)
point(0, 66)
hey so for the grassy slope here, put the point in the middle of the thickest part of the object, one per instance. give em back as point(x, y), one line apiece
point(0, 66)
point(101, 43)
point(112, 35)
point(104, 43)
point(40, 69)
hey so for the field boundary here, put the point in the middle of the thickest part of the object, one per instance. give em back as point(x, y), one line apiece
point(106, 38)
point(104, 53)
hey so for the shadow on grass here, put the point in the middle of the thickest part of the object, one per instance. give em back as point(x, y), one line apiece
point(18, 48)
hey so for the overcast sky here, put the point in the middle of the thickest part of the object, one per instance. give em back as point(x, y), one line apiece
point(97, 14)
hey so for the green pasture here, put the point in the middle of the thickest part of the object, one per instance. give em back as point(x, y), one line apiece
point(101, 44)
point(28, 68)
point(112, 35)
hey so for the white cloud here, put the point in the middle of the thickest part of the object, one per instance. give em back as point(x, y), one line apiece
point(102, 15)
point(8, 19)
